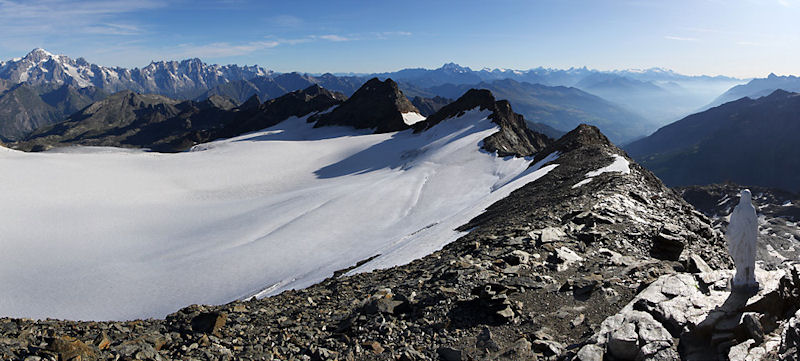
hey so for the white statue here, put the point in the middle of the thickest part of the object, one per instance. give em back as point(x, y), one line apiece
point(742, 234)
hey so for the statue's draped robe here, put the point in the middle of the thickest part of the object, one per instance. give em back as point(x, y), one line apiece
point(742, 234)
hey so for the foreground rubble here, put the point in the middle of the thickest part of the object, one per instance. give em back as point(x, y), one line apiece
point(697, 317)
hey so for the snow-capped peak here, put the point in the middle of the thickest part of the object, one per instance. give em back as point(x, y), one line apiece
point(39, 55)
point(170, 78)
point(455, 68)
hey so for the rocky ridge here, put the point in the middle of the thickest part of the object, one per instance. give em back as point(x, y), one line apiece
point(26, 107)
point(128, 119)
point(535, 277)
point(514, 137)
point(378, 105)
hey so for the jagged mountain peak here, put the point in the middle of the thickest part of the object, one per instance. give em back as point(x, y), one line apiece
point(311, 94)
point(455, 68)
point(514, 137)
point(251, 102)
point(126, 99)
point(778, 94)
point(582, 136)
point(219, 101)
point(473, 98)
point(38, 55)
point(315, 90)
point(379, 105)
point(376, 85)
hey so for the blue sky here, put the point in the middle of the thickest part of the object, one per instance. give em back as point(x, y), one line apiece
point(744, 38)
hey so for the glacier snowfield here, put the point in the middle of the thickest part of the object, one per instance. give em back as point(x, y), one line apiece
point(112, 234)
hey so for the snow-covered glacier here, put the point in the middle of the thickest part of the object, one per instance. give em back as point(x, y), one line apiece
point(106, 233)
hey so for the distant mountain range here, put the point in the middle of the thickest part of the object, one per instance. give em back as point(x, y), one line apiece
point(42, 88)
point(132, 120)
point(457, 74)
point(758, 88)
point(634, 103)
point(659, 95)
point(273, 86)
point(557, 107)
point(177, 79)
point(747, 141)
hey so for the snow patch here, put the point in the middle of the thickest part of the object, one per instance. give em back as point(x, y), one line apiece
point(772, 252)
point(411, 118)
point(620, 164)
point(585, 181)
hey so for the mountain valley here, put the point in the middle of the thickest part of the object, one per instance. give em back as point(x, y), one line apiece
point(747, 141)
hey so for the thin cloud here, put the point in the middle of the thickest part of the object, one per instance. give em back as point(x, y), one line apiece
point(39, 9)
point(226, 49)
point(294, 41)
point(286, 21)
point(750, 43)
point(364, 36)
point(334, 37)
point(396, 33)
point(43, 18)
point(705, 30)
point(679, 38)
point(389, 34)
point(221, 49)
point(114, 29)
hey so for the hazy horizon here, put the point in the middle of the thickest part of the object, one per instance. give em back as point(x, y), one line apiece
point(743, 39)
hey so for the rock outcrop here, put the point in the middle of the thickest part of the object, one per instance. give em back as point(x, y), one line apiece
point(376, 105)
point(514, 137)
point(697, 317)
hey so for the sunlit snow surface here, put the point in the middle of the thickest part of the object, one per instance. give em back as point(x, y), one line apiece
point(102, 233)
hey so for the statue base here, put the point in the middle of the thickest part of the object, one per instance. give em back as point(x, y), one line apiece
point(747, 288)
